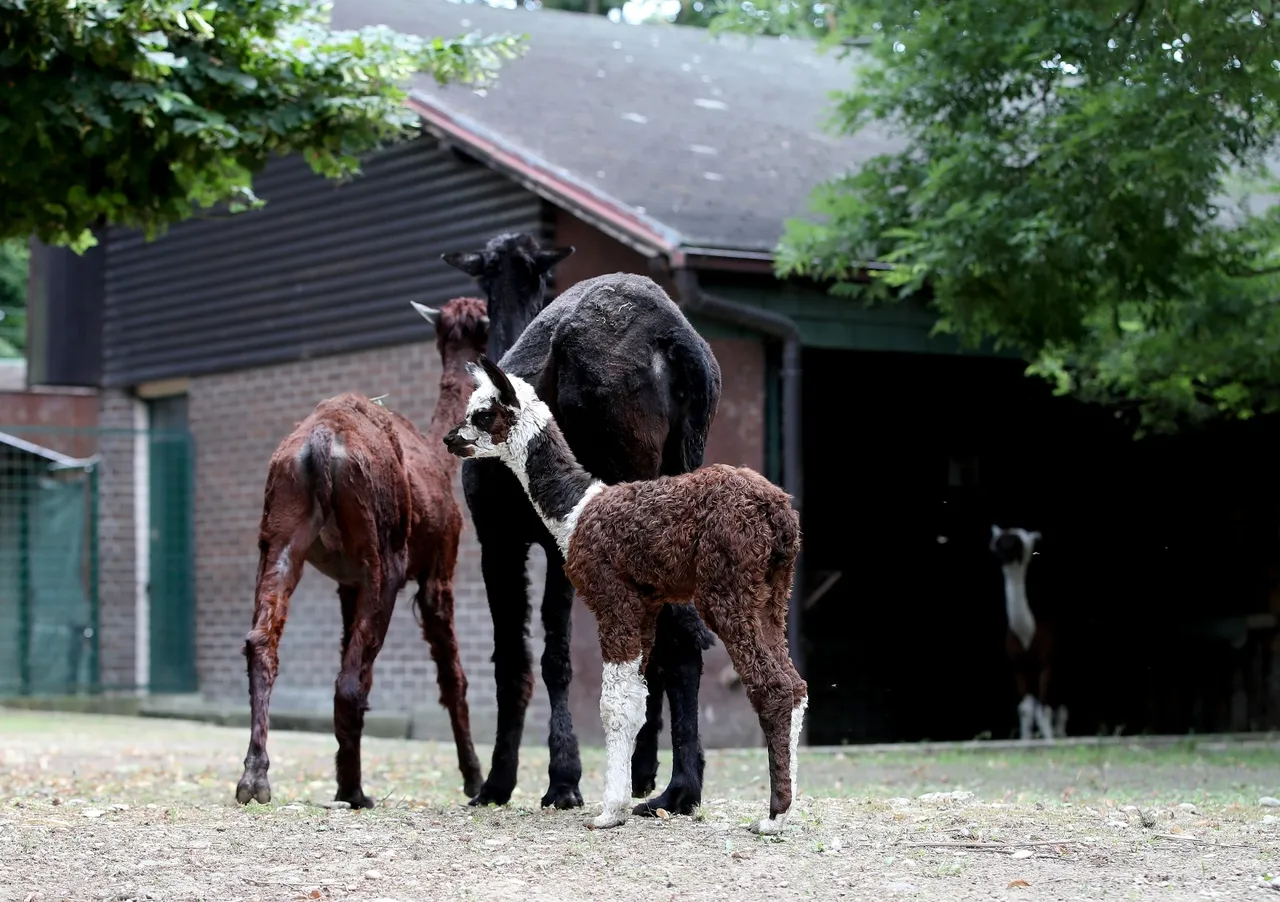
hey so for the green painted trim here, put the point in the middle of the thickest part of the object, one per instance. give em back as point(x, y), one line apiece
point(710, 328)
point(828, 321)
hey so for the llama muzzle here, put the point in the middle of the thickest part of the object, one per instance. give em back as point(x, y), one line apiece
point(457, 444)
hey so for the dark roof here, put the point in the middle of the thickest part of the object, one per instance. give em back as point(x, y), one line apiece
point(711, 142)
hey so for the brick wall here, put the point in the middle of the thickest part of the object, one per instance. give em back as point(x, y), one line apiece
point(116, 541)
point(70, 413)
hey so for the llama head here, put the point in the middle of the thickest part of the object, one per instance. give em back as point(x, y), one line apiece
point(1013, 546)
point(512, 271)
point(462, 327)
point(503, 414)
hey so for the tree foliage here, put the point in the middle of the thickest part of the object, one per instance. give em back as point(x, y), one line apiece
point(13, 297)
point(1081, 180)
point(135, 112)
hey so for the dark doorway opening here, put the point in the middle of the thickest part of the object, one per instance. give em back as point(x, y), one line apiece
point(1157, 557)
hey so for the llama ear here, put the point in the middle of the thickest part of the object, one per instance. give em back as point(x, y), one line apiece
point(472, 263)
point(506, 391)
point(544, 260)
point(430, 314)
point(474, 371)
point(995, 531)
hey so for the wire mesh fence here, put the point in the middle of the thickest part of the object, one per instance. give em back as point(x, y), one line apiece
point(95, 525)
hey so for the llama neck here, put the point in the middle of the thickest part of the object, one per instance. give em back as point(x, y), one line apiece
point(451, 405)
point(1018, 609)
point(555, 482)
point(509, 315)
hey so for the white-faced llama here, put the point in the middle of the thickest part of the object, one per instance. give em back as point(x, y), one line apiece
point(1028, 643)
point(357, 492)
point(722, 538)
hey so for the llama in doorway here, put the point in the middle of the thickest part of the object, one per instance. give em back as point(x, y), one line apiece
point(635, 389)
point(357, 492)
point(1028, 643)
point(722, 538)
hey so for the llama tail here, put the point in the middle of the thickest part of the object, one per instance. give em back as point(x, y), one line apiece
point(695, 383)
point(317, 464)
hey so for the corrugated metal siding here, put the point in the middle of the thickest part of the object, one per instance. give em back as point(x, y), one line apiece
point(324, 268)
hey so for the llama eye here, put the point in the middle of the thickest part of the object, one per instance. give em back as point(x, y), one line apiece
point(484, 419)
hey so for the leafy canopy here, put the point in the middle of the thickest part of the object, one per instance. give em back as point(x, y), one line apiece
point(13, 297)
point(1074, 181)
point(135, 112)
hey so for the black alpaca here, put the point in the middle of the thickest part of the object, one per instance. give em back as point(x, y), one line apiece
point(634, 389)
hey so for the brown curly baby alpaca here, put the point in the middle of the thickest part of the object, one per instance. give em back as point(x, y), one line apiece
point(723, 538)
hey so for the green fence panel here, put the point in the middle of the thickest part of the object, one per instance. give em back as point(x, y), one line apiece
point(60, 618)
point(172, 578)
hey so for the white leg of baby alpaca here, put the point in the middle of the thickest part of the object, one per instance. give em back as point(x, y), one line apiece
point(1026, 716)
point(622, 701)
point(1044, 721)
point(772, 825)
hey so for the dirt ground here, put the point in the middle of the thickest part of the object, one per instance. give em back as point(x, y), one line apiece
point(100, 808)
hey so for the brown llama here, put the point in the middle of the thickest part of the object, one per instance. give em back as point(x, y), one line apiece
point(723, 538)
point(357, 492)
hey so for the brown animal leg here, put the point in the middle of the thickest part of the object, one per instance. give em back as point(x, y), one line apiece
point(435, 607)
point(279, 569)
point(363, 631)
point(771, 683)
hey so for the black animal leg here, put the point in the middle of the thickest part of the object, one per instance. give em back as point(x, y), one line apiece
point(680, 640)
point(503, 568)
point(565, 771)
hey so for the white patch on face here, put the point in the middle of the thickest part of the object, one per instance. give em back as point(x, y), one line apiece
point(771, 826)
point(531, 418)
point(622, 701)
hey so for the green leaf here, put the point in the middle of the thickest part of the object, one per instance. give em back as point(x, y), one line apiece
point(177, 104)
point(1069, 184)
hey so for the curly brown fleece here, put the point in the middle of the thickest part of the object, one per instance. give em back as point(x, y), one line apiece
point(723, 538)
point(365, 498)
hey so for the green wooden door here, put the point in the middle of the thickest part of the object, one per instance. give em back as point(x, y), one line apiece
point(172, 576)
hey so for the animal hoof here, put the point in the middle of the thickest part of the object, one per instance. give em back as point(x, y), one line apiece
point(472, 787)
point(562, 797)
point(607, 820)
point(356, 799)
point(489, 796)
point(769, 826)
point(643, 784)
point(253, 787)
point(676, 800)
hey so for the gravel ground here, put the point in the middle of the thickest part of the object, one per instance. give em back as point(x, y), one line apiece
point(121, 809)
